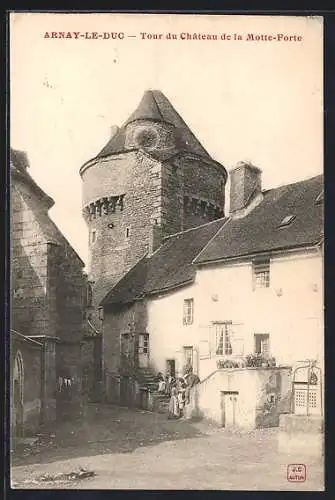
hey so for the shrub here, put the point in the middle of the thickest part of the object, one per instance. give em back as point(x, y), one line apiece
point(259, 360)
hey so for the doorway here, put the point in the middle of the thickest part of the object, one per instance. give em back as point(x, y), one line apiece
point(188, 355)
point(229, 404)
point(171, 367)
point(125, 391)
point(97, 355)
point(143, 350)
point(18, 391)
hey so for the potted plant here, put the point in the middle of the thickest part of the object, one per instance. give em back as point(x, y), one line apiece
point(227, 363)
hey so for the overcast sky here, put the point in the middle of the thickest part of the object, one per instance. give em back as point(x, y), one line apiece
point(259, 101)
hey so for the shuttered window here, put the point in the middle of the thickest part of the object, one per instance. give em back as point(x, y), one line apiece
point(262, 344)
point(261, 274)
point(223, 337)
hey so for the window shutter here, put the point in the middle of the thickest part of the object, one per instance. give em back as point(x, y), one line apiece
point(261, 266)
point(238, 339)
point(204, 349)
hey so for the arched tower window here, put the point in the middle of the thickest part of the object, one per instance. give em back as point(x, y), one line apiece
point(93, 236)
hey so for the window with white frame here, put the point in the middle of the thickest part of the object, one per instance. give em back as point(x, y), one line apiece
point(143, 343)
point(188, 311)
point(261, 274)
point(262, 344)
point(223, 338)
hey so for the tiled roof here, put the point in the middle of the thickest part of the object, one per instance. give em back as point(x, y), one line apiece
point(19, 159)
point(170, 266)
point(155, 106)
point(148, 108)
point(259, 231)
point(51, 233)
point(18, 168)
point(174, 263)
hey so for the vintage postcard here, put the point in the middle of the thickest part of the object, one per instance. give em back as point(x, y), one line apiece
point(167, 327)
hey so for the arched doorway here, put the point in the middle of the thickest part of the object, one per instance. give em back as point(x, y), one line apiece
point(18, 391)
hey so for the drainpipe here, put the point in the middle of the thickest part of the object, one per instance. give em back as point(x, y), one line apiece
point(43, 382)
point(308, 389)
point(102, 350)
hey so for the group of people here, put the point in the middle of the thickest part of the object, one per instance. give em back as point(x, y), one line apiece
point(178, 389)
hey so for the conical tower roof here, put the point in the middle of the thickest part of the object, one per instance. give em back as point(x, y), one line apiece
point(148, 109)
point(156, 107)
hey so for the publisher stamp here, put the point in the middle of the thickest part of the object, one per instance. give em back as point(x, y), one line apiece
point(296, 473)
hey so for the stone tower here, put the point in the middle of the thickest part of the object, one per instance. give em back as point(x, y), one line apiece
point(152, 179)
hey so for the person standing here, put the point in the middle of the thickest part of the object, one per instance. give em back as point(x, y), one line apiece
point(192, 380)
point(161, 384)
point(168, 379)
point(181, 395)
point(174, 412)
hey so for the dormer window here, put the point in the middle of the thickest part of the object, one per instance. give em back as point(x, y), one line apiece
point(287, 221)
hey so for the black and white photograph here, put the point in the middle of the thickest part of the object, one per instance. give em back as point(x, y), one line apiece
point(167, 252)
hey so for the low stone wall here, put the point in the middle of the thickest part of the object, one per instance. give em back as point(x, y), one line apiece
point(262, 394)
point(301, 434)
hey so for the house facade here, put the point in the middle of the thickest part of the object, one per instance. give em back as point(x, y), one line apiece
point(233, 300)
point(48, 307)
point(226, 314)
point(176, 282)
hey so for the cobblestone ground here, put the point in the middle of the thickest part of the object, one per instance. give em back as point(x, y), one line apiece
point(141, 450)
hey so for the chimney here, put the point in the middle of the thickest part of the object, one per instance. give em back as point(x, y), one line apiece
point(155, 238)
point(245, 188)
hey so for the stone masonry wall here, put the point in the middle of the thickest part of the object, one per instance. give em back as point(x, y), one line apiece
point(31, 357)
point(68, 366)
point(48, 285)
point(67, 285)
point(152, 194)
point(172, 199)
point(88, 364)
point(122, 237)
point(206, 183)
point(28, 268)
point(49, 380)
point(117, 322)
point(67, 289)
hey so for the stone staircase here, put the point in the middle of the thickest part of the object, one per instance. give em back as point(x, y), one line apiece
point(147, 379)
point(160, 402)
point(156, 401)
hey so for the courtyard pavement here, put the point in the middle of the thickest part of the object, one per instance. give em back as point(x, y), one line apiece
point(133, 449)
